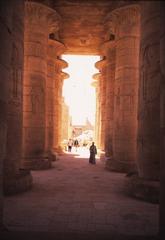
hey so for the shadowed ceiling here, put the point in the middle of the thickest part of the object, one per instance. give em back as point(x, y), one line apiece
point(82, 29)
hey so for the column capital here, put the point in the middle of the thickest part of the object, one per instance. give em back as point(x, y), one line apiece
point(41, 16)
point(100, 64)
point(60, 64)
point(125, 18)
point(108, 45)
point(55, 48)
point(94, 84)
point(97, 76)
point(64, 75)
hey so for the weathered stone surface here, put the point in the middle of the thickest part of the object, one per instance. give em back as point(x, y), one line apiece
point(82, 29)
point(101, 65)
point(20, 182)
point(145, 184)
point(96, 84)
point(65, 120)
point(148, 141)
point(125, 23)
point(14, 107)
point(142, 189)
point(109, 50)
point(59, 65)
point(40, 21)
point(5, 56)
point(162, 122)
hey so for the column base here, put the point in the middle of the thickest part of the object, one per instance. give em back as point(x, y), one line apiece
point(37, 163)
point(142, 189)
point(58, 150)
point(18, 183)
point(52, 156)
point(116, 166)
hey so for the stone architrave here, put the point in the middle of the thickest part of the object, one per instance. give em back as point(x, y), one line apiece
point(126, 28)
point(101, 65)
point(109, 51)
point(15, 179)
point(40, 21)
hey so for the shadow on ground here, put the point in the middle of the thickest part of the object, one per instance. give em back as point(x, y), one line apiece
point(69, 236)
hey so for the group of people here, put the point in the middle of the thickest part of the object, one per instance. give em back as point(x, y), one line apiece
point(92, 149)
point(72, 143)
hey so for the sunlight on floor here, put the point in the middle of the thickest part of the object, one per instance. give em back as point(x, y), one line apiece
point(80, 152)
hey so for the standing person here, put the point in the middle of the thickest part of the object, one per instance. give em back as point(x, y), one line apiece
point(76, 144)
point(93, 152)
point(70, 143)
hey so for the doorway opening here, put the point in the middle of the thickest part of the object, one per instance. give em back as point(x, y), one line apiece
point(79, 100)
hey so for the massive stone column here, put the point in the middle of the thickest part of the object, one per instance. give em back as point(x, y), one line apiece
point(60, 120)
point(146, 185)
point(162, 121)
point(40, 21)
point(109, 52)
point(55, 49)
point(95, 84)
point(101, 65)
point(5, 58)
point(126, 29)
point(59, 65)
point(65, 120)
point(15, 179)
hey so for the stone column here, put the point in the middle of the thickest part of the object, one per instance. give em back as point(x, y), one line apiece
point(126, 28)
point(40, 21)
point(59, 65)
point(15, 179)
point(162, 122)
point(55, 48)
point(95, 84)
point(65, 120)
point(60, 120)
point(110, 52)
point(5, 58)
point(146, 185)
point(101, 65)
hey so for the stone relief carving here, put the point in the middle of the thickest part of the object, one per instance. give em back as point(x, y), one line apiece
point(16, 80)
point(118, 97)
point(35, 49)
point(150, 72)
point(37, 99)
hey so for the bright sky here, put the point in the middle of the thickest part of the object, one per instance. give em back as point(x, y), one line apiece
point(77, 90)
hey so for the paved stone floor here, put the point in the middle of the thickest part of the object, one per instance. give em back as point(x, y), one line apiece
point(78, 200)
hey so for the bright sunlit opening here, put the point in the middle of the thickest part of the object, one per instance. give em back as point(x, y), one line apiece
point(79, 95)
